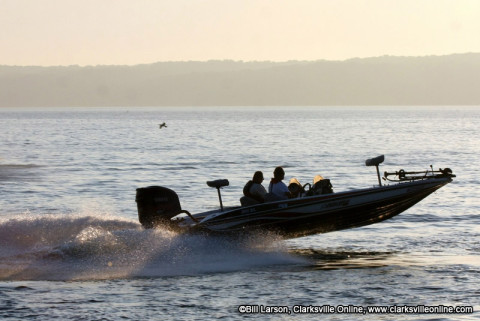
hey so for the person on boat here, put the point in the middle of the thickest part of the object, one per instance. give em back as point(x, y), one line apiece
point(278, 187)
point(254, 188)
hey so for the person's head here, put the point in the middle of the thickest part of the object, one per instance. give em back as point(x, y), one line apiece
point(258, 177)
point(279, 173)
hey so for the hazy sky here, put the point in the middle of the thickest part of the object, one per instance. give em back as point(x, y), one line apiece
point(91, 32)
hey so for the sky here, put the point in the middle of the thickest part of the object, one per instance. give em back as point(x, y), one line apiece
point(130, 32)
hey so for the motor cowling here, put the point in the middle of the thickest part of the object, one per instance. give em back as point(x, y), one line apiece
point(156, 205)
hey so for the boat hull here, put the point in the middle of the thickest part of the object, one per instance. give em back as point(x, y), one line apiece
point(323, 213)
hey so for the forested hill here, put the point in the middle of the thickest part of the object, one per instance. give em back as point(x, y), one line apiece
point(430, 80)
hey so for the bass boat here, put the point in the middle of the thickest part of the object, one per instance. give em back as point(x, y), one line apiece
point(316, 209)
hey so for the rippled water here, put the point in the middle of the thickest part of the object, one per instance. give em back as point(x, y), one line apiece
point(71, 246)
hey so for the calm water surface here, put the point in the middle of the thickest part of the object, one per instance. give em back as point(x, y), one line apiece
point(71, 247)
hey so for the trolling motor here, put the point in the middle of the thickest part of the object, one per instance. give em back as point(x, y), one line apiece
point(402, 175)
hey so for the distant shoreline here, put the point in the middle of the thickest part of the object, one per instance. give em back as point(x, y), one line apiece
point(450, 80)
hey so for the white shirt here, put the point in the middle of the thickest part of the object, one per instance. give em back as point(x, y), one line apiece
point(279, 189)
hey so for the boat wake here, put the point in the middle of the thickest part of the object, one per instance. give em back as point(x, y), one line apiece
point(79, 247)
point(334, 260)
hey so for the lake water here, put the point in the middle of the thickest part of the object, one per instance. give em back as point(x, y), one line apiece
point(71, 247)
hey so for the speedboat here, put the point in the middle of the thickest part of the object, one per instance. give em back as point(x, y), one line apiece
point(316, 209)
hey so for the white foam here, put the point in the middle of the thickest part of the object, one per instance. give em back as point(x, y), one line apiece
point(73, 247)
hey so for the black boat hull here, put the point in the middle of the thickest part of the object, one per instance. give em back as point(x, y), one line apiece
point(324, 213)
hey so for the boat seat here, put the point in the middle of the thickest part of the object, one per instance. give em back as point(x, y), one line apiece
point(218, 183)
point(247, 201)
point(322, 186)
point(375, 161)
point(295, 188)
point(270, 197)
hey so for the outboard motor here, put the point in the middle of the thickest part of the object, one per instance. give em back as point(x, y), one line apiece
point(156, 205)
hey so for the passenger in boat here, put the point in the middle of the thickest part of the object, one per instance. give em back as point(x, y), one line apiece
point(254, 188)
point(278, 187)
point(254, 191)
